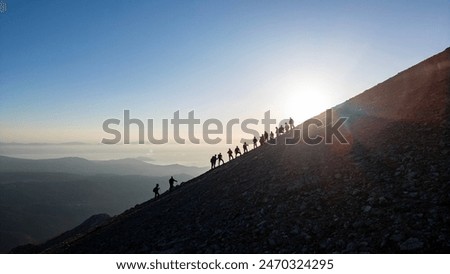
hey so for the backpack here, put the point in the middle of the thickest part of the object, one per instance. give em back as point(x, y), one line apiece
point(155, 189)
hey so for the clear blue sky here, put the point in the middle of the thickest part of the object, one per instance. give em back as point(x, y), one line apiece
point(66, 66)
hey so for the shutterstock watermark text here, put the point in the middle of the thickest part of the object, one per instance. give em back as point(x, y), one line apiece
point(213, 130)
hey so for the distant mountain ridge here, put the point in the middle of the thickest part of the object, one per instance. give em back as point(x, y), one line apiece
point(78, 165)
point(41, 198)
point(35, 206)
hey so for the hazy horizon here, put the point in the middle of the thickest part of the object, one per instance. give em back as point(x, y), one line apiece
point(67, 66)
point(161, 155)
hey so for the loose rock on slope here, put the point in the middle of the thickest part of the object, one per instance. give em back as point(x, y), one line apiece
point(387, 191)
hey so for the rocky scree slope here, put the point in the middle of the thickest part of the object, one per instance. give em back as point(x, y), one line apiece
point(387, 191)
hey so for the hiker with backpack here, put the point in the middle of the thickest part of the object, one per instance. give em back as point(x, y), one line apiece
point(230, 154)
point(262, 140)
point(213, 161)
point(156, 191)
point(291, 122)
point(237, 151)
point(245, 146)
point(272, 138)
point(219, 157)
point(255, 142)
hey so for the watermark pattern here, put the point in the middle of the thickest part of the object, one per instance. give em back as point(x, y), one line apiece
point(213, 127)
point(3, 7)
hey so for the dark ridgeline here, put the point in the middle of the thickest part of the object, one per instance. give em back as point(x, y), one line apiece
point(87, 226)
point(385, 192)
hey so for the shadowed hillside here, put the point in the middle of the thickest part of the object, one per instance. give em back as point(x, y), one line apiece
point(40, 199)
point(35, 207)
point(385, 191)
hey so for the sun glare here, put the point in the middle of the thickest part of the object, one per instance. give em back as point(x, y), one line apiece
point(307, 99)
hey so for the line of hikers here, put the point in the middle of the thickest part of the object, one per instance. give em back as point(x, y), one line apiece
point(171, 187)
point(266, 137)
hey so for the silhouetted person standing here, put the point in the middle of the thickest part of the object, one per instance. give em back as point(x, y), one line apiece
point(291, 122)
point(213, 161)
point(237, 151)
point(261, 140)
point(281, 129)
point(266, 135)
point(230, 154)
point(219, 157)
point(156, 191)
point(255, 142)
point(277, 131)
point(286, 126)
point(272, 136)
point(245, 146)
point(171, 181)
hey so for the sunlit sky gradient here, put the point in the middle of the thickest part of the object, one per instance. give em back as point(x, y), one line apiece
point(66, 66)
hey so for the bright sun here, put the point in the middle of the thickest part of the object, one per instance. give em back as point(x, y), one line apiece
point(307, 99)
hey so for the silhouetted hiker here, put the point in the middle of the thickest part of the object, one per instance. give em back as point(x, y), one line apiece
point(156, 191)
point(281, 129)
point(255, 142)
point(266, 135)
point(277, 131)
point(219, 157)
point(291, 122)
point(230, 154)
point(237, 151)
point(213, 161)
point(244, 146)
point(272, 136)
point(262, 140)
point(286, 126)
point(171, 181)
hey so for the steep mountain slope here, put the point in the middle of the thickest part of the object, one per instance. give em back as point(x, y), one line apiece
point(385, 191)
point(90, 224)
point(37, 206)
point(41, 198)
